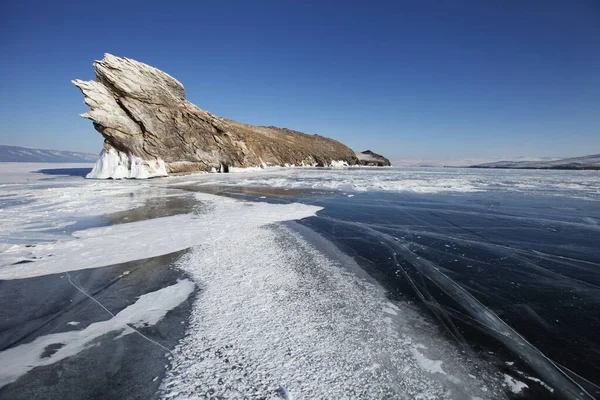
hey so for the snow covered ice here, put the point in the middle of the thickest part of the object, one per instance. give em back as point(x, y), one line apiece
point(276, 316)
point(148, 238)
point(278, 311)
point(583, 184)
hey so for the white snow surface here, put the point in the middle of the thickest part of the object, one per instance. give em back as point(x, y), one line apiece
point(147, 310)
point(276, 318)
point(118, 165)
point(21, 173)
point(145, 239)
point(514, 385)
point(246, 169)
point(40, 207)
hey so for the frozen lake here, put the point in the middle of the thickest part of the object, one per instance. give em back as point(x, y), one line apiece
point(300, 283)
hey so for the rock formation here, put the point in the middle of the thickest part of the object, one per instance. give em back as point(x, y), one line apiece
point(150, 129)
point(371, 159)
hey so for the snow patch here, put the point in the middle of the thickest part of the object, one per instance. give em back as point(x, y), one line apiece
point(432, 366)
point(246, 169)
point(389, 310)
point(531, 378)
point(147, 310)
point(148, 238)
point(34, 207)
point(514, 385)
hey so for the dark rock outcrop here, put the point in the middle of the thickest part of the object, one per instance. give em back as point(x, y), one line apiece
point(150, 129)
point(368, 158)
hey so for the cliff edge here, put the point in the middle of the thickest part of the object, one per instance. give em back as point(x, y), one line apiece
point(150, 129)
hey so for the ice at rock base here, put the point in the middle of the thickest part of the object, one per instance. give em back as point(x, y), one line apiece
point(118, 165)
point(338, 164)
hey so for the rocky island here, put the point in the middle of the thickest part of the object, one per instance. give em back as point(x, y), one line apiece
point(371, 159)
point(150, 129)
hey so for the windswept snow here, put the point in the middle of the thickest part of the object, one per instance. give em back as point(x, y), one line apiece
point(276, 318)
point(49, 349)
point(144, 239)
point(41, 207)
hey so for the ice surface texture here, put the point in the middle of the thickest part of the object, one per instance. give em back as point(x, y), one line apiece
point(276, 317)
point(579, 184)
point(118, 165)
point(147, 310)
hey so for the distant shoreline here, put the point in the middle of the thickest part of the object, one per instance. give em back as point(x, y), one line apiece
point(565, 168)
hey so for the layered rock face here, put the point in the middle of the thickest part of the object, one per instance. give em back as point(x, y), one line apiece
point(372, 159)
point(150, 129)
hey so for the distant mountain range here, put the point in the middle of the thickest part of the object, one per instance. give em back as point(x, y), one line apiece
point(25, 154)
point(585, 162)
point(463, 162)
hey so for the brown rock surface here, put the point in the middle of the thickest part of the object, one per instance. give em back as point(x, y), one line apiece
point(371, 159)
point(145, 119)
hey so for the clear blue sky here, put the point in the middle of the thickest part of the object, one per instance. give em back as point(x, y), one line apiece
point(409, 79)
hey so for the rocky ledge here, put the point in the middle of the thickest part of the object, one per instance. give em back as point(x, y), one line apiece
point(150, 129)
point(371, 159)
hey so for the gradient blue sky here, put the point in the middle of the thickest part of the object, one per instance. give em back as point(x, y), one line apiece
point(410, 79)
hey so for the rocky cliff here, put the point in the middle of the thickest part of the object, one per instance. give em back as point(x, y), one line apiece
point(371, 159)
point(150, 129)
